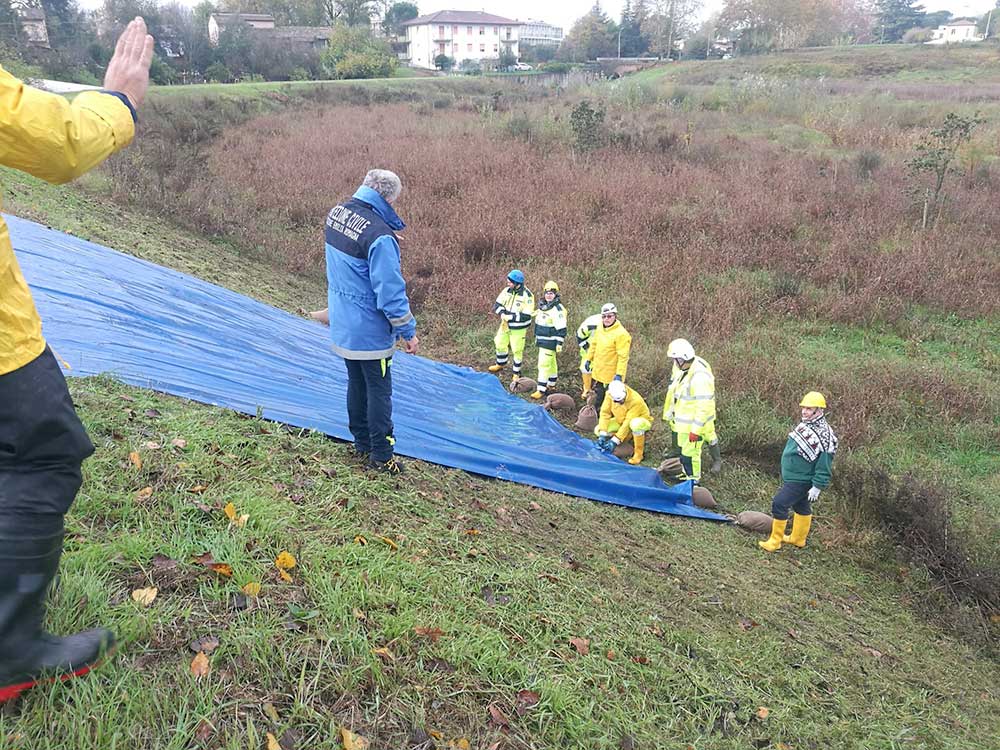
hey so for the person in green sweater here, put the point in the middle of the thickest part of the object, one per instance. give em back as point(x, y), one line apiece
point(806, 464)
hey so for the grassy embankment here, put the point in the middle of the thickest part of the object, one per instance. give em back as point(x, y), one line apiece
point(692, 631)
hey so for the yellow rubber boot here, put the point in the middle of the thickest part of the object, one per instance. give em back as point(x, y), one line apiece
point(537, 394)
point(495, 368)
point(639, 446)
point(800, 530)
point(773, 544)
point(588, 383)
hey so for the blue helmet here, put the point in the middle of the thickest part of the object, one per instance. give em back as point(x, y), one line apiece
point(516, 276)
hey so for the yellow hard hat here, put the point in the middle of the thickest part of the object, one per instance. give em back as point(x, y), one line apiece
point(814, 399)
point(551, 286)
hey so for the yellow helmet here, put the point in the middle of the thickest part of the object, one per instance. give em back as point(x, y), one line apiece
point(814, 399)
point(551, 286)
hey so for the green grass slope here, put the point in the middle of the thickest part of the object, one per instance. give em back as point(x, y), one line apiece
point(442, 609)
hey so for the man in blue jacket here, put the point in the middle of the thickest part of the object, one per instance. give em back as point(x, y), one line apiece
point(369, 310)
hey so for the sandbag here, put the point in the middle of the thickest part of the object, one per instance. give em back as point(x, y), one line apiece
point(559, 401)
point(624, 451)
point(670, 468)
point(523, 385)
point(702, 498)
point(753, 520)
point(587, 419)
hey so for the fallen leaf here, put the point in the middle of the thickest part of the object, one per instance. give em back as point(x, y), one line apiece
point(238, 520)
point(640, 659)
point(473, 552)
point(204, 731)
point(179, 443)
point(238, 602)
point(384, 654)
point(747, 624)
point(145, 597)
point(498, 716)
point(271, 712)
point(144, 493)
point(285, 561)
point(549, 577)
point(462, 744)
point(152, 412)
point(351, 740)
point(151, 446)
point(360, 540)
point(136, 460)
point(582, 645)
point(525, 699)
point(872, 652)
point(473, 532)
point(793, 634)
point(995, 619)
point(392, 545)
point(272, 742)
point(200, 666)
point(534, 506)
point(438, 665)
point(611, 655)
point(360, 615)
point(206, 644)
point(251, 589)
point(432, 633)
point(208, 561)
point(763, 712)
point(198, 489)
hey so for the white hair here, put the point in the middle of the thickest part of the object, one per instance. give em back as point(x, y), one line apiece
point(385, 183)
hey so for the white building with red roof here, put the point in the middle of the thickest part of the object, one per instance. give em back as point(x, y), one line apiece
point(461, 35)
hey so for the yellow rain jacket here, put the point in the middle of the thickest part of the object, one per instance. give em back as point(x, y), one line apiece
point(608, 352)
point(46, 136)
point(690, 403)
point(633, 407)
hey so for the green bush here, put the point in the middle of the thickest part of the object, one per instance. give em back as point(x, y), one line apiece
point(218, 73)
point(363, 65)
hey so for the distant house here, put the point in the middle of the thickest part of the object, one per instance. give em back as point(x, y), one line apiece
point(541, 34)
point(299, 38)
point(956, 32)
point(34, 28)
point(170, 43)
point(219, 22)
point(461, 35)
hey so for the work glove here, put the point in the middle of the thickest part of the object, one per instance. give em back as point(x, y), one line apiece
point(617, 377)
point(813, 494)
point(693, 437)
point(615, 442)
point(604, 443)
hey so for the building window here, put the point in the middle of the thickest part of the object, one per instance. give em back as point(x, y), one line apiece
point(468, 30)
point(496, 30)
point(454, 30)
point(482, 48)
point(482, 30)
point(495, 48)
point(507, 29)
point(470, 48)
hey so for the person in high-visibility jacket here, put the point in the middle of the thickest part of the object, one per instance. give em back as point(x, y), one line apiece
point(608, 352)
point(624, 415)
point(583, 335)
point(515, 305)
point(42, 442)
point(806, 466)
point(689, 407)
point(550, 333)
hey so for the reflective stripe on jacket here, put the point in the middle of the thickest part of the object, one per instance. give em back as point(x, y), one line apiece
point(46, 136)
point(690, 402)
point(586, 331)
point(609, 351)
point(550, 327)
point(519, 302)
point(633, 406)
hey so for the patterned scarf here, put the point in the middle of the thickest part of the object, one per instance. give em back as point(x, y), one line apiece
point(814, 437)
point(543, 305)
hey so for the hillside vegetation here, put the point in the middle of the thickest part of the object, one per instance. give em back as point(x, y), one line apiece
point(768, 216)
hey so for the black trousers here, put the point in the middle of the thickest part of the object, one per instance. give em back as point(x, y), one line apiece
point(42, 447)
point(791, 496)
point(369, 406)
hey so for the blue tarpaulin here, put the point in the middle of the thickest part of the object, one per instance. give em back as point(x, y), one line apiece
point(149, 326)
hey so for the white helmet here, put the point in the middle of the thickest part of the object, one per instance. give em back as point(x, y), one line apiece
point(609, 308)
point(616, 389)
point(680, 349)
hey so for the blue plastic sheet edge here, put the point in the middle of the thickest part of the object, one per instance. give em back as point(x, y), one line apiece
point(105, 312)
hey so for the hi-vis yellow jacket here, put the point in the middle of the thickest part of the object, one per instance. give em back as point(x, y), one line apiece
point(608, 352)
point(633, 407)
point(46, 136)
point(690, 403)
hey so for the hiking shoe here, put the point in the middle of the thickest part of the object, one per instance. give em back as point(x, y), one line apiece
point(392, 466)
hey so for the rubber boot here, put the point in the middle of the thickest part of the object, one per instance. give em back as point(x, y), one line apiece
point(800, 530)
point(588, 384)
point(639, 445)
point(716, 454)
point(495, 368)
point(537, 395)
point(28, 655)
point(773, 543)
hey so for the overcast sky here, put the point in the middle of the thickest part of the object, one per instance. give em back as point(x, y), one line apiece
point(565, 12)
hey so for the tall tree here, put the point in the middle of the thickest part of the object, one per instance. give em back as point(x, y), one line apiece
point(666, 21)
point(397, 15)
point(896, 17)
point(633, 43)
point(350, 12)
point(593, 35)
